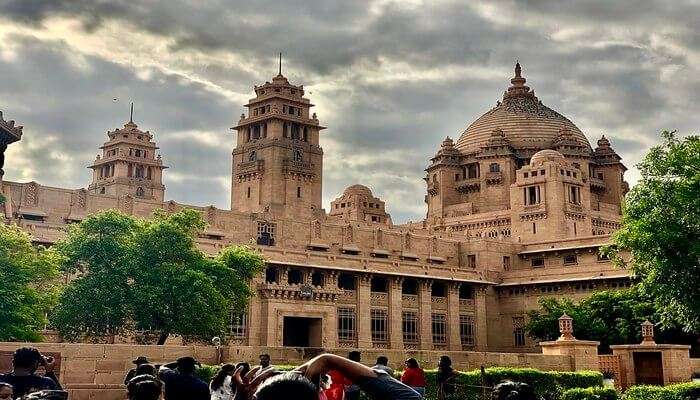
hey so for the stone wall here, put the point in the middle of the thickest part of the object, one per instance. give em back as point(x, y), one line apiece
point(96, 371)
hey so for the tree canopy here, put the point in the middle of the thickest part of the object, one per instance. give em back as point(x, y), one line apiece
point(661, 230)
point(149, 275)
point(28, 287)
point(609, 316)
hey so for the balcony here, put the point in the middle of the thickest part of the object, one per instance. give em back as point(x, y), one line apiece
point(493, 178)
point(250, 167)
point(298, 167)
point(378, 298)
point(299, 292)
point(597, 185)
point(466, 304)
point(409, 301)
point(438, 303)
point(468, 185)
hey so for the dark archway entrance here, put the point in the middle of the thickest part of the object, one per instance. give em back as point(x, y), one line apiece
point(648, 368)
point(302, 332)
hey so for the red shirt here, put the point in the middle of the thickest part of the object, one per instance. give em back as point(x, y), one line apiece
point(337, 389)
point(413, 377)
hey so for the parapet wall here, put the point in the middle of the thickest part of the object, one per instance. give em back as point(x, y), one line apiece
point(96, 371)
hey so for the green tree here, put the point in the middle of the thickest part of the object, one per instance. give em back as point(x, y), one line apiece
point(28, 287)
point(609, 316)
point(150, 275)
point(661, 230)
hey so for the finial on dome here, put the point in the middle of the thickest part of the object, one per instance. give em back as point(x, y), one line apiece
point(280, 69)
point(131, 113)
point(518, 69)
point(603, 142)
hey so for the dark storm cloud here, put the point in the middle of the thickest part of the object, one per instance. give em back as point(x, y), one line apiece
point(627, 69)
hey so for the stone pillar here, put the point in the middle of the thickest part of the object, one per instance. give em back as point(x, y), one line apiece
point(583, 354)
point(454, 338)
point(254, 317)
point(364, 334)
point(425, 314)
point(395, 316)
point(480, 319)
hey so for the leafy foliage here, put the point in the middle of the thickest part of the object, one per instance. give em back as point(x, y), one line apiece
point(28, 286)
point(591, 393)
point(661, 229)
point(610, 317)
point(3, 199)
point(681, 391)
point(150, 275)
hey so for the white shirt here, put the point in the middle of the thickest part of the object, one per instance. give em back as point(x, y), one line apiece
point(224, 392)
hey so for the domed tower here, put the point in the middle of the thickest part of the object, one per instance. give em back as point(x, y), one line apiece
point(129, 165)
point(358, 204)
point(442, 176)
point(277, 162)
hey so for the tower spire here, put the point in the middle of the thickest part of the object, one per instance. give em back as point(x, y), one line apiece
point(131, 113)
point(518, 70)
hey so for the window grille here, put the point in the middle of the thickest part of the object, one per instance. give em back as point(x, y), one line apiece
point(439, 328)
point(380, 331)
point(409, 322)
point(266, 233)
point(467, 330)
point(346, 324)
point(239, 325)
point(519, 331)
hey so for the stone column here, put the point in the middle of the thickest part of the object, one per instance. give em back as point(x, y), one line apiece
point(395, 317)
point(254, 317)
point(455, 341)
point(364, 335)
point(426, 316)
point(480, 318)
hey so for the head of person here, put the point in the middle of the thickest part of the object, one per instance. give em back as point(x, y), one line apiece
point(354, 356)
point(218, 380)
point(186, 365)
point(6, 391)
point(144, 387)
point(445, 362)
point(288, 385)
point(26, 359)
point(412, 363)
point(264, 360)
point(509, 390)
point(140, 360)
point(47, 395)
point(382, 360)
point(245, 366)
point(146, 369)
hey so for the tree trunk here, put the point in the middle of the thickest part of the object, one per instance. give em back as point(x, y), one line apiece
point(163, 337)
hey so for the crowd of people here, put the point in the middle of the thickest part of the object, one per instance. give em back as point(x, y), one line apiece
point(325, 377)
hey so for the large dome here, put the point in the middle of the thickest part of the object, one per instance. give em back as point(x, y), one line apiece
point(524, 120)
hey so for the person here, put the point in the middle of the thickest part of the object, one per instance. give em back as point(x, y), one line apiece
point(146, 369)
point(383, 364)
point(352, 391)
point(221, 386)
point(144, 387)
point(336, 389)
point(47, 395)
point(132, 372)
point(377, 384)
point(445, 377)
point(180, 383)
point(510, 390)
point(414, 376)
point(6, 391)
point(25, 362)
point(264, 363)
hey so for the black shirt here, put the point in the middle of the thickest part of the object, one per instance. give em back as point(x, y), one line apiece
point(183, 386)
point(28, 383)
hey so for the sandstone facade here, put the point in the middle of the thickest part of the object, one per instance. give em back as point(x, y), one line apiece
point(516, 210)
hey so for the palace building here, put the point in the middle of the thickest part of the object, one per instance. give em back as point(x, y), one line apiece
point(517, 208)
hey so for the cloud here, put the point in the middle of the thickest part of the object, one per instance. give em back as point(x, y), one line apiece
point(390, 79)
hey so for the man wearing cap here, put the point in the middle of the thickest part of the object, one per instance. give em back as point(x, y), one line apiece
point(132, 372)
point(180, 383)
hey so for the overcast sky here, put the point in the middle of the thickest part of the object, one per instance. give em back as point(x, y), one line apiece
point(390, 79)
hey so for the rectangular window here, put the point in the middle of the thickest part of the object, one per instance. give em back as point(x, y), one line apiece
point(506, 263)
point(439, 328)
point(574, 195)
point(519, 331)
point(298, 192)
point(266, 234)
point(532, 195)
point(570, 259)
point(346, 324)
point(534, 173)
point(467, 330)
point(409, 323)
point(537, 262)
point(380, 326)
point(239, 325)
point(471, 260)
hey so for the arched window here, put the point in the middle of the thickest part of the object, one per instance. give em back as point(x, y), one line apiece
point(149, 173)
point(494, 167)
point(139, 192)
point(252, 156)
point(297, 155)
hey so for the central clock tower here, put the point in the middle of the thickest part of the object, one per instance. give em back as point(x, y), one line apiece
point(277, 161)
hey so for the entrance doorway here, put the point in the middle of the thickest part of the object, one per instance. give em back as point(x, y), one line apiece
point(648, 368)
point(302, 332)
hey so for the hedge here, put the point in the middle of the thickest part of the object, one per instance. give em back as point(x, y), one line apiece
point(680, 391)
point(591, 393)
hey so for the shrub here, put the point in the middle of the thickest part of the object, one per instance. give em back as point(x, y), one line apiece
point(591, 393)
point(681, 391)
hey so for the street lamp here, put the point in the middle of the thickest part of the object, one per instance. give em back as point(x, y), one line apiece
point(216, 341)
